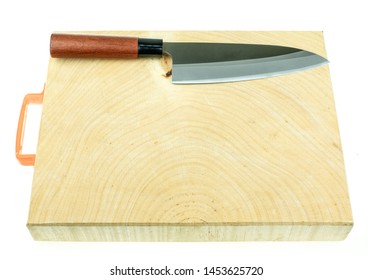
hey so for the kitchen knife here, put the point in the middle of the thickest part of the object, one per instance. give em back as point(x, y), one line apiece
point(192, 63)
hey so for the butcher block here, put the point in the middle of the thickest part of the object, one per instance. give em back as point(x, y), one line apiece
point(125, 155)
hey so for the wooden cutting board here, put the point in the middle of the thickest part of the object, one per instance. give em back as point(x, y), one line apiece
point(125, 155)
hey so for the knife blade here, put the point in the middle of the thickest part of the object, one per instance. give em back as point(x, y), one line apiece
point(193, 62)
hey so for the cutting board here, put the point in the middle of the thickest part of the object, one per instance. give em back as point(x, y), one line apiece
point(125, 155)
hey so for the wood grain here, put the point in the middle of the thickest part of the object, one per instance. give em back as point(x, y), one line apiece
point(125, 155)
point(83, 46)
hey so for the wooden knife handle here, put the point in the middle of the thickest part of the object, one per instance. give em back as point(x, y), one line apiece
point(93, 46)
point(100, 46)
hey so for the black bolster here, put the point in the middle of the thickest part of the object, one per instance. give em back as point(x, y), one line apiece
point(150, 47)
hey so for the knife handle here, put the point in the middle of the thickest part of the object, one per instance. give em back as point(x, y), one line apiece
point(101, 46)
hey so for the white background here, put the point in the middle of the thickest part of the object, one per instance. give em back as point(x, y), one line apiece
point(25, 30)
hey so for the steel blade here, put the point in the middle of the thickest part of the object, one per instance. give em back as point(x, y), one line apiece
point(195, 63)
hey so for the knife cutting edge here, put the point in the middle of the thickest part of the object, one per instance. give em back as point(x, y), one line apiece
point(192, 63)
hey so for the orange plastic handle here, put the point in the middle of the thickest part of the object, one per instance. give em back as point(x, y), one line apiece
point(32, 98)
